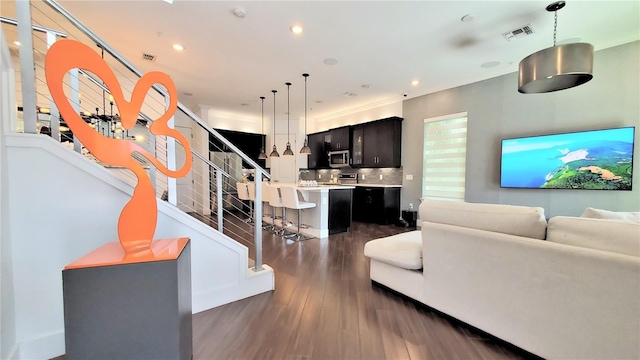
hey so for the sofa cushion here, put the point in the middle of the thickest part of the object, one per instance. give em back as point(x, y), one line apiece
point(508, 219)
point(612, 215)
point(402, 250)
point(618, 236)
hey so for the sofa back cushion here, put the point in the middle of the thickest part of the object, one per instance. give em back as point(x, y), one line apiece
point(508, 219)
point(612, 215)
point(618, 236)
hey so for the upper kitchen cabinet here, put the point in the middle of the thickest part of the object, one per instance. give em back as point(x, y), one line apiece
point(339, 139)
point(357, 146)
point(381, 143)
point(318, 158)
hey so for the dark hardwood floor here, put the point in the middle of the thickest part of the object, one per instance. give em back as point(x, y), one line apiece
point(324, 307)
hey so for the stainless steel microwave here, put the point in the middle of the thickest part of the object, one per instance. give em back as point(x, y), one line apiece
point(339, 158)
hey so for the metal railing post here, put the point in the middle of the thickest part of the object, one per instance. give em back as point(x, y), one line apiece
point(172, 183)
point(257, 213)
point(219, 198)
point(27, 71)
point(54, 118)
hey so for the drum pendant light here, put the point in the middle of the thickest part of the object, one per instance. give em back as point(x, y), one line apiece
point(305, 148)
point(288, 151)
point(263, 154)
point(274, 153)
point(558, 67)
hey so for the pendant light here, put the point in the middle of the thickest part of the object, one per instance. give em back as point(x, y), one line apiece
point(274, 153)
point(305, 148)
point(558, 67)
point(288, 151)
point(263, 154)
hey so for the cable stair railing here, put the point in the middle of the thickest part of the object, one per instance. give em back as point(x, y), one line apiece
point(208, 192)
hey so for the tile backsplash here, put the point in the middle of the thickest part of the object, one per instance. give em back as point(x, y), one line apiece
point(390, 176)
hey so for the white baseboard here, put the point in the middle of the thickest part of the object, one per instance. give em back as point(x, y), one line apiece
point(45, 347)
point(256, 283)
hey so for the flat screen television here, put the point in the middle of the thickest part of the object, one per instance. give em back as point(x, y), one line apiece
point(594, 160)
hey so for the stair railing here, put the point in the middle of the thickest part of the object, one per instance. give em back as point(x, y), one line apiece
point(208, 192)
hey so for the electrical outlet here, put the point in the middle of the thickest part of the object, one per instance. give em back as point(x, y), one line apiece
point(410, 206)
point(362, 176)
point(319, 176)
point(380, 176)
point(409, 177)
point(332, 176)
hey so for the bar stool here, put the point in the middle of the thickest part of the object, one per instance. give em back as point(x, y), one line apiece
point(243, 194)
point(265, 201)
point(290, 200)
point(251, 189)
point(276, 202)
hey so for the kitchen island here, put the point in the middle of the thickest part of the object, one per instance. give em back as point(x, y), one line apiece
point(332, 214)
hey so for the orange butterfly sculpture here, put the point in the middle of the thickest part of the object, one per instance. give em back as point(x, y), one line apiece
point(137, 222)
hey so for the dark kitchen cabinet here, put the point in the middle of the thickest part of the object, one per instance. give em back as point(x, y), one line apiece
point(376, 204)
point(340, 205)
point(339, 138)
point(357, 146)
point(318, 158)
point(382, 143)
point(248, 143)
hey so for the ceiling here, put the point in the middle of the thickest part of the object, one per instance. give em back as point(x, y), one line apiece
point(380, 46)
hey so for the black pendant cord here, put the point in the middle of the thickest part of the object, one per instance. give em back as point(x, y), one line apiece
point(274, 116)
point(263, 144)
point(288, 111)
point(305, 105)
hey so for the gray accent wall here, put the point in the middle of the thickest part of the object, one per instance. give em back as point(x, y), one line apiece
point(496, 110)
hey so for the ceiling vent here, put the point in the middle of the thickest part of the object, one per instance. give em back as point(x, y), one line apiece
point(518, 33)
point(148, 57)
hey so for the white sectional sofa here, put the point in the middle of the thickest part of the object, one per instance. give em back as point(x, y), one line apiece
point(575, 295)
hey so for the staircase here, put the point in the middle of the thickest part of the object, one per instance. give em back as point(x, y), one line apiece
point(59, 202)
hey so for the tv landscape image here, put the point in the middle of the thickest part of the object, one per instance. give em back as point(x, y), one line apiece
point(593, 160)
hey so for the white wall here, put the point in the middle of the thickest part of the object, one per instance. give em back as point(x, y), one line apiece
point(496, 110)
point(62, 206)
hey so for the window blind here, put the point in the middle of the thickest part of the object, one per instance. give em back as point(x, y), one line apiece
point(444, 157)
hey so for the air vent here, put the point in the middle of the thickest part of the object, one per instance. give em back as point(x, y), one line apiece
point(148, 57)
point(518, 33)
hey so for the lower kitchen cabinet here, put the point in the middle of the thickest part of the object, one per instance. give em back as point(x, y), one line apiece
point(379, 205)
point(339, 210)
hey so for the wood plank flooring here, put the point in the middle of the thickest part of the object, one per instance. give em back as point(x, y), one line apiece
point(324, 307)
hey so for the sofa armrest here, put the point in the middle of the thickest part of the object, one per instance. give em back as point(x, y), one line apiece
point(554, 300)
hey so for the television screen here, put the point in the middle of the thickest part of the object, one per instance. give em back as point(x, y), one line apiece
point(598, 160)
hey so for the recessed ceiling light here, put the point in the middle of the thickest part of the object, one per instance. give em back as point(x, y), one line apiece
point(350, 94)
point(178, 47)
point(467, 18)
point(296, 29)
point(17, 43)
point(365, 86)
point(330, 61)
point(319, 101)
point(415, 82)
point(187, 94)
point(490, 64)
